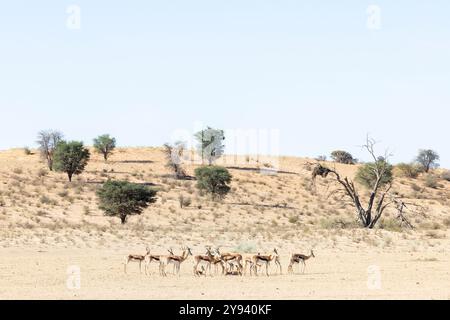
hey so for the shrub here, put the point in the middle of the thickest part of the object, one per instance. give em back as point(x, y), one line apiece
point(184, 201)
point(390, 225)
point(122, 198)
point(345, 157)
point(17, 170)
point(367, 177)
point(105, 145)
point(407, 170)
point(27, 151)
point(431, 181)
point(71, 158)
point(63, 193)
point(42, 173)
point(446, 175)
point(446, 222)
point(213, 180)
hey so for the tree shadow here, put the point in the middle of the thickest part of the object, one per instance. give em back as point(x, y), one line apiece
point(267, 171)
point(277, 206)
point(171, 176)
point(136, 161)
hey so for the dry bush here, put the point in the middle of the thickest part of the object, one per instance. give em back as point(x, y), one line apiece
point(390, 225)
point(431, 181)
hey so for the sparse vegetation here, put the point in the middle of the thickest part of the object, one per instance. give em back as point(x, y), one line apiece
point(431, 181)
point(446, 175)
point(377, 175)
point(407, 170)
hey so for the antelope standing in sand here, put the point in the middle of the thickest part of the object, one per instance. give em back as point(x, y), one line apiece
point(230, 258)
point(265, 260)
point(135, 258)
point(175, 260)
point(300, 259)
point(149, 258)
point(207, 259)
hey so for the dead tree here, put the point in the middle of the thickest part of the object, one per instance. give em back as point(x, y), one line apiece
point(174, 156)
point(379, 199)
point(47, 141)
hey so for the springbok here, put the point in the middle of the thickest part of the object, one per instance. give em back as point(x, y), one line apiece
point(265, 259)
point(299, 258)
point(175, 260)
point(135, 258)
point(153, 258)
point(207, 259)
point(228, 258)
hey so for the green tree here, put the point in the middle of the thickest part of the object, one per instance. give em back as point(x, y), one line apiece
point(71, 158)
point(428, 159)
point(369, 174)
point(213, 180)
point(122, 198)
point(210, 144)
point(344, 157)
point(105, 145)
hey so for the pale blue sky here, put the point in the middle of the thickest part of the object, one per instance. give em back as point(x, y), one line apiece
point(142, 69)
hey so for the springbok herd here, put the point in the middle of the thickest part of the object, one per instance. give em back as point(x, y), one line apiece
point(231, 264)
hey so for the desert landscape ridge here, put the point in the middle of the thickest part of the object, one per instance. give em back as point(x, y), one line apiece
point(56, 243)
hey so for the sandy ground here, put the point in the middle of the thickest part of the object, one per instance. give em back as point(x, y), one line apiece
point(31, 274)
point(48, 225)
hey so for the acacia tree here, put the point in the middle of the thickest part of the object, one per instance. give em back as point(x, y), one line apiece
point(174, 154)
point(47, 141)
point(378, 177)
point(122, 198)
point(213, 180)
point(428, 159)
point(71, 158)
point(105, 145)
point(344, 157)
point(210, 144)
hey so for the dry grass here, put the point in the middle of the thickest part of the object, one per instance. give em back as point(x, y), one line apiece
point(40, 209)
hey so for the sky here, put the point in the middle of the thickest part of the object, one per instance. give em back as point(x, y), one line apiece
point(319, 75)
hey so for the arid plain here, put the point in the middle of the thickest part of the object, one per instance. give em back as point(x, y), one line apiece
point(49, 226)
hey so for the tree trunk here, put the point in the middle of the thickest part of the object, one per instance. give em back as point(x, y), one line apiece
point(70, 177)
point(123, 218)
